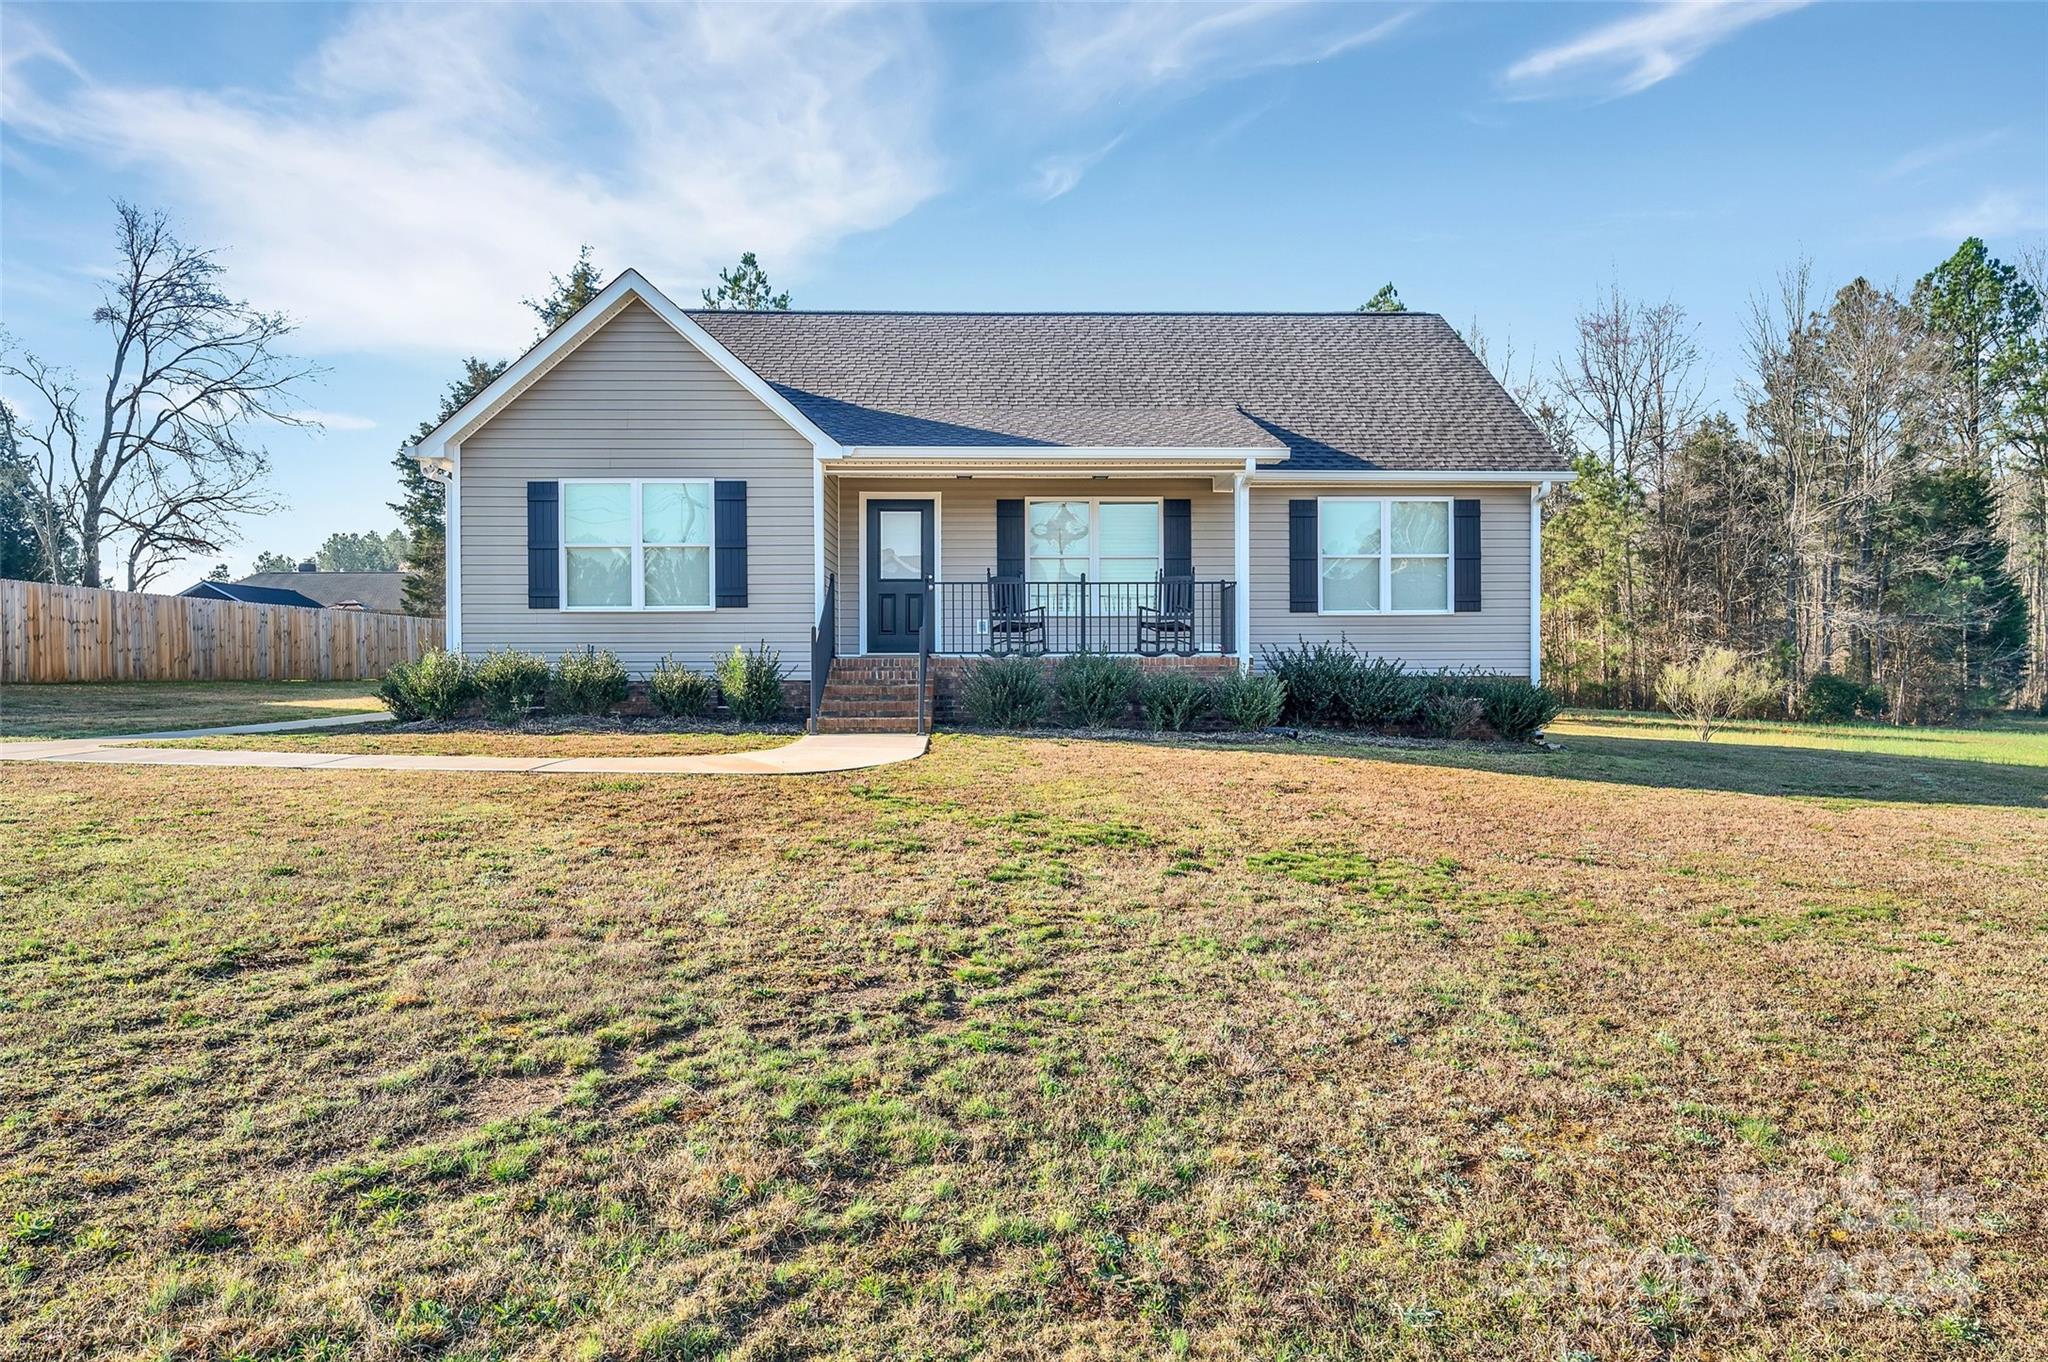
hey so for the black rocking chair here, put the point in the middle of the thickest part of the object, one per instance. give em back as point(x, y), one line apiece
point(1169, 626)
point(1014, 624)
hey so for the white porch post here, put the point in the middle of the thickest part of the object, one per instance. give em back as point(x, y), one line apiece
point(817, 537)
point(1536, 495)
point(451, 552)
point(1241, 492)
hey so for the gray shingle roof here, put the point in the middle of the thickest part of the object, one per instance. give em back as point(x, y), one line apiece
point(382, 592)
point(1344, 390)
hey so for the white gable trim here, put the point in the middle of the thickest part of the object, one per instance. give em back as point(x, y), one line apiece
point(629, 287)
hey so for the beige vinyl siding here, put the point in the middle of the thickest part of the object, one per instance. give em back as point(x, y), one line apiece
point(636, 400)
point(967, 524)
point(1496, 637)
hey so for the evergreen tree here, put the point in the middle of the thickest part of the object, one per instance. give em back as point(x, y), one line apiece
point(1981, 310)
point(1956, 624)
point(275, 562)
point(745, 288)
point(22, 511)
point(1388, 299)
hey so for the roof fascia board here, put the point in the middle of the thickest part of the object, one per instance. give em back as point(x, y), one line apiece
point(1060, 454)
point(630, 286)
point(1338, 477)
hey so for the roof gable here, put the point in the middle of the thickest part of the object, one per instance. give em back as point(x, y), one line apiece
point(629, 287)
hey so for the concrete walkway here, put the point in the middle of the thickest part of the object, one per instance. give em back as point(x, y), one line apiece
point(811, 754)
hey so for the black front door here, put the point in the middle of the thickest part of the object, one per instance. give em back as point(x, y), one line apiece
point(900, 557)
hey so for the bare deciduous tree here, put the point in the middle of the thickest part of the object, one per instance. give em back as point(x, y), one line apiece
point(160, 463)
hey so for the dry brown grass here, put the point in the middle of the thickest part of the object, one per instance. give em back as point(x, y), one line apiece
point(112, 708)
point(1027, 1048)
point(483, 742)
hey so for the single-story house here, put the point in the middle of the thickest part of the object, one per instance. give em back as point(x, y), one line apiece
point(378, 592)
point(658, 481)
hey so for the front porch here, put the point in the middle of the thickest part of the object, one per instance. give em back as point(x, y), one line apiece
point(1014, 564)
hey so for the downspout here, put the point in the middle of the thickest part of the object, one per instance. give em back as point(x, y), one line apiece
point(1242, 506)
point(1536, 495)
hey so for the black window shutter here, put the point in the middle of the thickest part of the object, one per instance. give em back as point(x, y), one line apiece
point(543, 546)
point(729, 536)
point(1303, 565)
point(1180, 542)
point(1465, 554)
point(1010, 538)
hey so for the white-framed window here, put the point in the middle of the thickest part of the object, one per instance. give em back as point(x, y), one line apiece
point(637, 544)
point(1384, 555)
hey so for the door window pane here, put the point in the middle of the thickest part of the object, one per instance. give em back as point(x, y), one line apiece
point(597, 513)
point(677, 577)
point(1422, 527)
point(1420, 583)
point(1350, 528)
point(900, 539)
point(600, 577)
point(1351, 584)
point(676, 513)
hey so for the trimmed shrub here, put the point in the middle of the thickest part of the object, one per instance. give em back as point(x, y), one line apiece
point(1831, 699)
point(1713, 688)
point(1249, 701)
point(1006, 692)
point(1514, 709)
point(677, 691)
point(1378, 692)
point(435, 687)
point(751, 682)
point(511, 684)
point(1095, 689)
point(1172, 700)
point(1314, 678)
point(1331, 683)
point(589, 682)
point(1450, 713)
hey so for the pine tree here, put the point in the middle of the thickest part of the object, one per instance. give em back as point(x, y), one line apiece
point(1388, 299)
point(745, 288)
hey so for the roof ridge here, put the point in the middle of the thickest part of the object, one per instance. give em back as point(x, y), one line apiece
point(1049, 312)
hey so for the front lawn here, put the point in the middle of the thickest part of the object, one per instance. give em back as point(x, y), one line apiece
point(113, 708)
point(1033, 1047)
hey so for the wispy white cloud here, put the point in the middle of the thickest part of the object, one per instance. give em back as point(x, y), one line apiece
point(333, 420)
point(428, 165)
point(1633, 53)
point(1060, 173)
point(1994, 213)
point(1942, 153)
point(1086, 55)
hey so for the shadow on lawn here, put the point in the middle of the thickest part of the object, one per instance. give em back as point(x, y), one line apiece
point(1801, 772)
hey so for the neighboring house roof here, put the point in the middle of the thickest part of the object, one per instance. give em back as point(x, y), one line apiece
point(383, 592)
point(1339, 391)
point(250, 595)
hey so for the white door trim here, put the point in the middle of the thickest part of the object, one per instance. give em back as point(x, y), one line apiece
point(937, 500)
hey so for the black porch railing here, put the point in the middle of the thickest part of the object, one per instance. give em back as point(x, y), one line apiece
point(824, 645)
point(1171, 617)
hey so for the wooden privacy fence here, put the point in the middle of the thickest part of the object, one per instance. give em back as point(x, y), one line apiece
point(78, 633)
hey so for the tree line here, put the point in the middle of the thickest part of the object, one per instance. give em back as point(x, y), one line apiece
point(1870, 521)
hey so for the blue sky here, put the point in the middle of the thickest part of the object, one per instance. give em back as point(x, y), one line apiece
point(398, 178)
